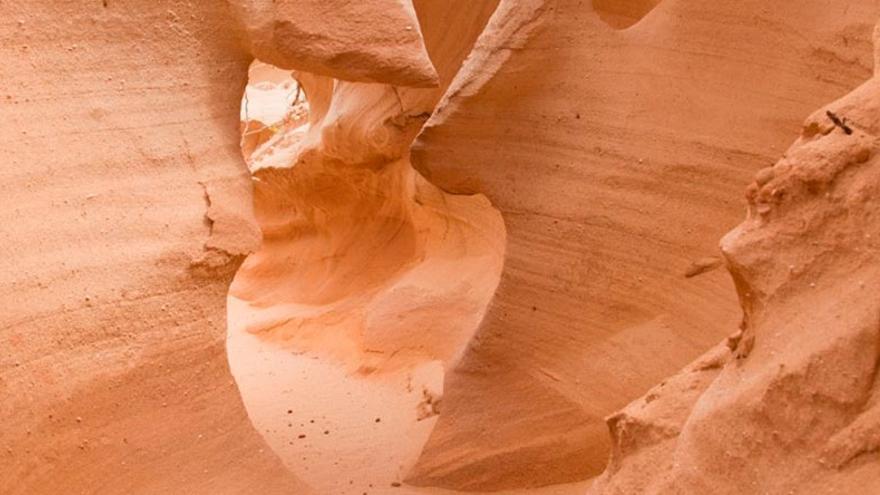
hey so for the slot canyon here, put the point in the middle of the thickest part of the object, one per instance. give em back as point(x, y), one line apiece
point(440, 247)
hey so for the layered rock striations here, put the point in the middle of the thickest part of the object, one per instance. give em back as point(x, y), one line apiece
point(616, 157)
point(493, 240)
point(789, 405)
point(126, 209)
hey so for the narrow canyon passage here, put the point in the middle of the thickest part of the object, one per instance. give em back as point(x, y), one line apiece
point(392, 332)
point(440, 247)
point(368, 284)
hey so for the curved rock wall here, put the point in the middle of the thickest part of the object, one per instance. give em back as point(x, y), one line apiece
point(613, 137)
point(369, 279)
point(126, 211)
point(125, 196)
point(790, 405)
point(617, 158)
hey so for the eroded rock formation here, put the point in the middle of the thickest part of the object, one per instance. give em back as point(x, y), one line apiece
point(368, 281)
point(585, 157)
point(126, 211)
point(789, 405)
point(618, 167)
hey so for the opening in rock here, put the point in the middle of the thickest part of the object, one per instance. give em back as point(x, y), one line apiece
point(369, 283)
point(621, 14)
point(274, 113)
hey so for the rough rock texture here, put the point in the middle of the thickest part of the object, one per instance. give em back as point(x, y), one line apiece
point(794, 408)
point(613, 137)
point(615, 157)
point(126, 209)
point(374, 41)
